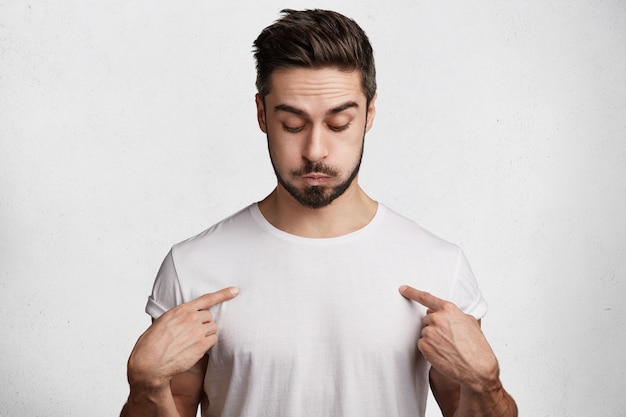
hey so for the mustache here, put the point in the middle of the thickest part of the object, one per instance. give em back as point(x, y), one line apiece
point(317, 167)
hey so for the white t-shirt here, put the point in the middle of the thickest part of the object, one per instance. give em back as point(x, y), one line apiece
point(319, 328)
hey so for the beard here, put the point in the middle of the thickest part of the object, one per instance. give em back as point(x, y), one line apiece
point(317, 196)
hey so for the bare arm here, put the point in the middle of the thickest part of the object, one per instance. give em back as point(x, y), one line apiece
point(465, 375)
point(166, 368)
point(493, 401)
point(455, 400)
point(187, 388)
point(180, 399)
point(446, 391)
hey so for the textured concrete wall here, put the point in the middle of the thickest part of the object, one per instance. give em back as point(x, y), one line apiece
point(128, 126)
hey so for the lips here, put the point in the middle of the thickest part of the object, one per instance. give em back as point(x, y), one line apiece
point(316, 179)
point(315, 170)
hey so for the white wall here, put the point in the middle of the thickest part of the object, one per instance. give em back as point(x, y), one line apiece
point(128, 126)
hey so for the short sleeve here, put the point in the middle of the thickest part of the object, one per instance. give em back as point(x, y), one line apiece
point(166, 292)
point(465, 293)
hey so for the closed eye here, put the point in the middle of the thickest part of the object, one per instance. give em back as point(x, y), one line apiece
point(339, 128)
point(292, 129)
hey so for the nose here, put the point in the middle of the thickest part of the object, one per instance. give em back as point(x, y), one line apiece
point(315, 148)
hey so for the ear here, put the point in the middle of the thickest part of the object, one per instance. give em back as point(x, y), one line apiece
point(260, 113)
point(371, 112)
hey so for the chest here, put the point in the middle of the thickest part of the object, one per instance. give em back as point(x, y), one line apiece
point(316, 311)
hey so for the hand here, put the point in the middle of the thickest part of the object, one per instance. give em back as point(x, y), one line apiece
point(176, 341)
point(453, 342)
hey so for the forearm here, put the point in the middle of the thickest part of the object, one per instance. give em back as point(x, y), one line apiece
point(147, 402)
point(492, 402)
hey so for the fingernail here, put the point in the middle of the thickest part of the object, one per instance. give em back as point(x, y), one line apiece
point(402, 288)
point(234, 290)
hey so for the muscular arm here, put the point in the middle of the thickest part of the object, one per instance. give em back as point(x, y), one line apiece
point(180, 399)
point(187, 388)
point(465, 376)
point(167, 366)
point(456, 400)
point(446, 391)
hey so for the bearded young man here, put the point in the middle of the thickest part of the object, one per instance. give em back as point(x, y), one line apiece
point(304, 284)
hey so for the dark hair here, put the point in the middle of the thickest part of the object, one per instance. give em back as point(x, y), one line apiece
point(314, 39)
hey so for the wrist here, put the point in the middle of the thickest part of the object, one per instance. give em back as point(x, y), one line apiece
point(149, 402)
point(486, 382)
point(142, 376)
point(148, 384)
point(483, 389)
point(154, 393)
point(141, 381)
point(149, 397)
point(491, 401)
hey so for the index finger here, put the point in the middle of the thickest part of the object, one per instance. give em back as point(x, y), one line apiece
point(207, 300)
point(424, 298)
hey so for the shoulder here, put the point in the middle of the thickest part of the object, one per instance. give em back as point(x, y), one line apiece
point(408, 232)
point(224, 233)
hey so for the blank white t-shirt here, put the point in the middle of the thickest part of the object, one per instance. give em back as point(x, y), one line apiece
point(319, 327)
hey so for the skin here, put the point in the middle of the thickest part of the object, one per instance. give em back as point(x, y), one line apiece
point(166, 367)
point(465, 374)
point(314, 117)
point(303, 124)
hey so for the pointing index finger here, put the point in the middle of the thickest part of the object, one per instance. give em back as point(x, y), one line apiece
point(207, 300)
point(424, 298)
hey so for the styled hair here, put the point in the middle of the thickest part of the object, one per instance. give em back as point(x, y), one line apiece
point(314, 39)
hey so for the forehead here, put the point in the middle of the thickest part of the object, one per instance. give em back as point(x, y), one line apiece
point(316, 86)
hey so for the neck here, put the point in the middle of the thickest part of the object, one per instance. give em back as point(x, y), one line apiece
point(346, 214)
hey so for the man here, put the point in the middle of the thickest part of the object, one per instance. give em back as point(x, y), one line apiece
point(304, 284)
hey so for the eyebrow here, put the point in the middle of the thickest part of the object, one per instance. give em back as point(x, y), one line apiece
point(300, 112)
